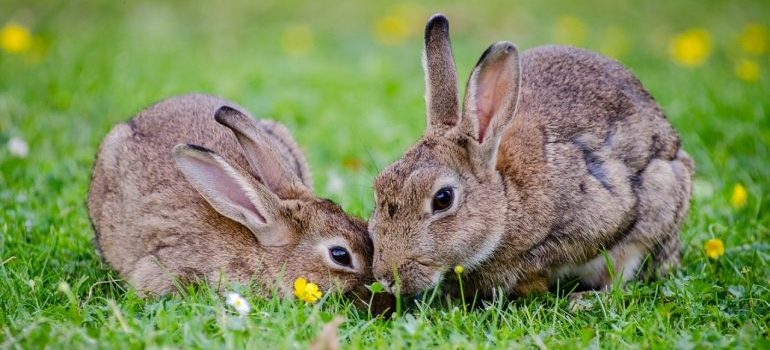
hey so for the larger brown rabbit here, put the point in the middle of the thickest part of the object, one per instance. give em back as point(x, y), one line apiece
point(556, 156)
point(164, 206)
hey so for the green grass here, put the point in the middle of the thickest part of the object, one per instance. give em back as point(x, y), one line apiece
point(355, 105)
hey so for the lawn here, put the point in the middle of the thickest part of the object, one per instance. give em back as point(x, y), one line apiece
point(347, 80)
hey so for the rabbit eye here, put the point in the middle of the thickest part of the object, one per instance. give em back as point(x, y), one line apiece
point(340, 255)
point(443, 199)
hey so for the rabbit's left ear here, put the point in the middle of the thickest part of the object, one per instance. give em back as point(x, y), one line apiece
point(233, 193)
point(491, 96)
point(440, 75)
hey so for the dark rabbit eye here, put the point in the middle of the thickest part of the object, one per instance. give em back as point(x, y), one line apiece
point(340, 256)
point(443, 199)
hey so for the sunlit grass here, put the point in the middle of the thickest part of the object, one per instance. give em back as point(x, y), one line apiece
point(347, 80)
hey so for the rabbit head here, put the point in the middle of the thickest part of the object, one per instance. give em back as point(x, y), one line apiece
point(443, 203)
point(302, 235)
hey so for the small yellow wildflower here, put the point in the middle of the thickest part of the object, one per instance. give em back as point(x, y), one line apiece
point(15, 38)
point(739, 196)
point(691, 48)
point(747, 70)
point(391, 30)
point(412, 13)
point(569, 30)
point(459, 269)
point(753, 40)
point(398, 23)
point(714, 248)
point(306, 291)
point(297, 40)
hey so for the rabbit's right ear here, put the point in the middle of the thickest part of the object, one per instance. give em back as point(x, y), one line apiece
point(491, 98)
point(440, 75)
point(233, 193)
point(272, 168)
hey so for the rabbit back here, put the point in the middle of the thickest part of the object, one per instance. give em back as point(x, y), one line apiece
point(149, 223)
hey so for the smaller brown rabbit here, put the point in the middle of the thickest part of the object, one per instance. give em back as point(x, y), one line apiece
point(164, 205)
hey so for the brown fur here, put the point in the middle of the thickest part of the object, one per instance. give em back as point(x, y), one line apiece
point(153, 226)
point(588, 161)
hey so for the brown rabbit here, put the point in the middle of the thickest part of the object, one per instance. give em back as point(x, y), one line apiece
point(164, 206)
point(556, 157)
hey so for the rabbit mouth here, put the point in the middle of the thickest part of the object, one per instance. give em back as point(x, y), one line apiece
point(418, 277)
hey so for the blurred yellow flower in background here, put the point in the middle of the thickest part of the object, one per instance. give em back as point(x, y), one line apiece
point(739, 196)
point(306, 291)
point(747, 70)
point(691, 48)
point(399, 23)
point(569, 30)
point(459, 269)
point(15, 38)
point(714, 248)
point(297, 40)
point(391, 30)
point(753, 40)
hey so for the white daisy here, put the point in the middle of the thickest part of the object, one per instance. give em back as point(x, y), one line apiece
point(334, 184)
point(18, 147)
point(238, 303)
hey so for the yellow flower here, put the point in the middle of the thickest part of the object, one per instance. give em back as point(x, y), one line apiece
point(398, 23)
point(297, 40)
point(714, 248)
point(15, 38)
point(738, 199)
point(569, 30)
point(459, 269)
point(691, 48)
point(747, 70)
point(391, 30)
point(753, 40)
point(306, 291)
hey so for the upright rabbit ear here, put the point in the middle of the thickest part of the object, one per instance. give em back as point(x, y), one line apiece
point(491, 95)
point(440, 75)
point(233, 193)
point(273, 169)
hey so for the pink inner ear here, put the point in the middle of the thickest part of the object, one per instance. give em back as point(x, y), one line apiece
point(222, 184)
point(490, 92)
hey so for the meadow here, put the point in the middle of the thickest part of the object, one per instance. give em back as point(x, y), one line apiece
point(346, 78)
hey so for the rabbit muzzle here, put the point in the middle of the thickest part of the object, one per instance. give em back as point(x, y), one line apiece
point(409, 277)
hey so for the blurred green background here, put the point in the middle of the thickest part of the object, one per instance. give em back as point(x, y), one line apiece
point(346, 78)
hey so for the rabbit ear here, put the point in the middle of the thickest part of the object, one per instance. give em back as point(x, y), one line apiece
point(272, 168)
point(440, 75)
point(492, 94)
point(233, 193)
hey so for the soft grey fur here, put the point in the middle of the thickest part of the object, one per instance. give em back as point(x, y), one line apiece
point(558, 155)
